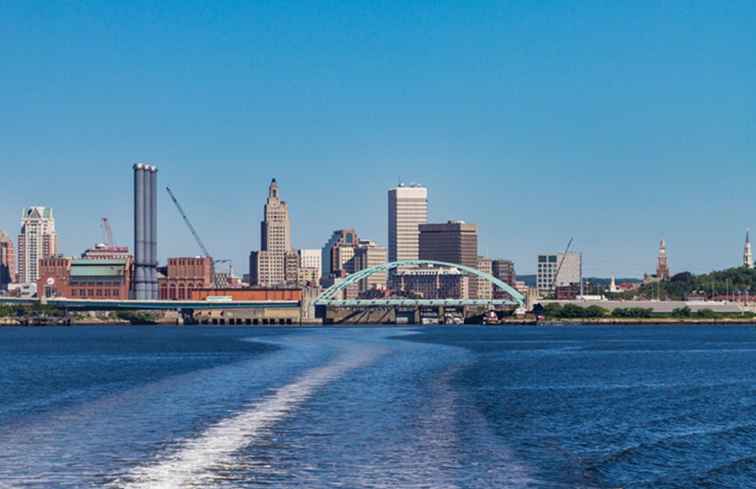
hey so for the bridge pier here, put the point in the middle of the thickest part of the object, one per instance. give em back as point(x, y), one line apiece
point(184, 317)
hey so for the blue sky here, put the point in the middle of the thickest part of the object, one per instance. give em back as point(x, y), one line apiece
point(618, 123)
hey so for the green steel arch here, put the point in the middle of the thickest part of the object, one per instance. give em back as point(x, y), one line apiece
point(330, 292)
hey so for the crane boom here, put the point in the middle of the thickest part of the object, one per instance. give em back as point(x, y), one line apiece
point(561, 262)
point(188, 223)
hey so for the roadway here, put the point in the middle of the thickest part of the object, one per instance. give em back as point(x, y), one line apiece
point(141, 305)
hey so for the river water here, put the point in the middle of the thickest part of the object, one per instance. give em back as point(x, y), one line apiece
point(443, 407)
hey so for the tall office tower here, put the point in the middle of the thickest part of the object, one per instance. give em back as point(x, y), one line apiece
point(275, 229)
point(268, 267)
point(503, 270)
point(368, 254)
point(481, 288)
point(662, 263)
point(407, 209)
point(7, 261)
point(547, 278)
point(747, 254)
point(36, 241)
point(452, 242)
point(145, 285)
point(336, 252)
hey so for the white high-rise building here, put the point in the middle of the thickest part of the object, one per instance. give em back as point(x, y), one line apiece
point(312, 260)
point(747, 253)
point(547, 278)
point(36, 240)
point(407, 209)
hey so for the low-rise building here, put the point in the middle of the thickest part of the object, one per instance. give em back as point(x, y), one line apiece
point(185, 274)
point(433, 283)
point(84, 278)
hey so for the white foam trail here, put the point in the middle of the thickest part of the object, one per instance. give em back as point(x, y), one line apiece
point(191, 464)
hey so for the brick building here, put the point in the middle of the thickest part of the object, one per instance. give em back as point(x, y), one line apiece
point(185, 274)
point(80, 278)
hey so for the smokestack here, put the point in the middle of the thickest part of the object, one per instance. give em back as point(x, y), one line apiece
point(146, 213)
point(153, 233)
point(140, 277)
point(145, 232)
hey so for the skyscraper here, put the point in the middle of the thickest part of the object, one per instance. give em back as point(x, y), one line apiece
point(407, 209)
point(275, 229)
point(268, 266)
point(747, 254)
point(662, 263)
point(37, 240)
point(452, 242)
point(7, 261)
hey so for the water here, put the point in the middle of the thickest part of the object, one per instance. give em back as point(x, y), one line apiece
point(563, 407)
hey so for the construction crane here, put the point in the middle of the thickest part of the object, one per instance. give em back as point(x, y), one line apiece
point(107, 232)
point(188, 223)
point(561, 262)
point(197, 238)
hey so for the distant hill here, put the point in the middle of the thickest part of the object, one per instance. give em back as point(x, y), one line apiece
point(731, 283)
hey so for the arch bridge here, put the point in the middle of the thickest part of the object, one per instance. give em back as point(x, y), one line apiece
point(328, 297)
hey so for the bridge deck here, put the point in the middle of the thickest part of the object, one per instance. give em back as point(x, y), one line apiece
point(413, 302)
point(114, 305)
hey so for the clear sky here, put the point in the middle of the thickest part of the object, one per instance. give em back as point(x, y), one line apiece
point(618, 123)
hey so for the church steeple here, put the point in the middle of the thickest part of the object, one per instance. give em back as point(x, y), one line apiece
point(747, 254)
point(662, 262)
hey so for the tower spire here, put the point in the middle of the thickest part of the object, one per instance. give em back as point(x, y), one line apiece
point(747, 253)
point(662, 262)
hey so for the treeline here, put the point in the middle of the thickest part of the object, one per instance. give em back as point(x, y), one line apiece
point(573, 311)
point(33, 310)
point(732, 282)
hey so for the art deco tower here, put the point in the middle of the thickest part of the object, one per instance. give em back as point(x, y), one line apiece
point(275, 229)
point(275, 264)
point(662, 264)
point(747, 254)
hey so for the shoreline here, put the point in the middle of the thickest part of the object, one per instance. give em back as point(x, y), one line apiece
point(4, 322)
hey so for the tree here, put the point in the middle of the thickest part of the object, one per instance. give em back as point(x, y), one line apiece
point(681, 312)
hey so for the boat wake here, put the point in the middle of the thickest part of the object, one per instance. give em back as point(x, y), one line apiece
point(195, 462)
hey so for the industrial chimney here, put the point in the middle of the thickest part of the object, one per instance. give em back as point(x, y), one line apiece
point(145, 232)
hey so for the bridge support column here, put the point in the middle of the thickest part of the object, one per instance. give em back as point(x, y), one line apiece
point(184, 316)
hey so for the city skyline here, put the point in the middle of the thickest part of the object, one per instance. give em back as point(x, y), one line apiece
point(544, 124)
point(525, 267)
